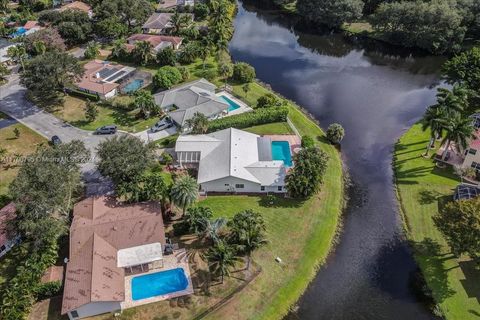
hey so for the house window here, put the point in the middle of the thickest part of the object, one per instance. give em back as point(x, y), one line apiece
point(74, 314)
point(262, 188)
point(475, 165)
point(280, 188)
point(472, 151)
point(239, 186)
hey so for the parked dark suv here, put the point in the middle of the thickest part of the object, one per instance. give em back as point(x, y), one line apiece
point(55, 140)
point(106, 130)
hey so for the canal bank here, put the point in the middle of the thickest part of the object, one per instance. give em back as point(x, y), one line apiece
point(375, 92)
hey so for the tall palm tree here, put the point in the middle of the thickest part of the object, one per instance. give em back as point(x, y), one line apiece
point(434, 118)
point(221, 258)
point(458, 129)
point(146, 103)
point(119, 49)
point(184, 192)
point(143, 51)
point(248, 232)
point(455, 100)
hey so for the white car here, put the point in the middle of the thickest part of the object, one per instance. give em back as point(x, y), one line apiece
point(163, 124)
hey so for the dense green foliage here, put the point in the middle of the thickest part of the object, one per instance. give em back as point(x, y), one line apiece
point(432, 25)
point(44, 191)
point(249, 119)
point(335, 133)
point(332, 13)
point(47, 75)
point(308, 142)
point(196, 218)
point(459, 222)
point(166, 77)
point(268, 100)
point(243, 72)
point(48, 290)
point(198, 124)
point(166, 57)
point(74, 26)
point(305, 178)
point(124, 158)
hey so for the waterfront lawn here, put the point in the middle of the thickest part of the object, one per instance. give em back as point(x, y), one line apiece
point(423, 189)
point(25, 144)
point(271, 128)
point(73, 112)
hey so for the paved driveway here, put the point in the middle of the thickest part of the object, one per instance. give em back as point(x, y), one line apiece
point(14, 104)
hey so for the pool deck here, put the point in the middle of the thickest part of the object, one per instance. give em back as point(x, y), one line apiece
point(243, 107)
point(294, 141)
point(178, 259)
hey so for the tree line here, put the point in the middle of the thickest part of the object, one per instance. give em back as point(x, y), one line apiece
point(438, 26)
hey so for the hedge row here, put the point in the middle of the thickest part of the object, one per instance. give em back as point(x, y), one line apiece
point(82, 94)
point(249, 119)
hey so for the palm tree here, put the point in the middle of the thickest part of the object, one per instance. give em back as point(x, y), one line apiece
point(246, 88)
point(119, 50)
point(179, 22)
point(248, 232)
point(455, 100)
point(198, 123)
point(184, 192)
point(458, 129)
point(226, 71)
point(221, 258)
point(145, 102)
point(213, 228)
point(197, 218)
point(434, 118)
point(144, 52)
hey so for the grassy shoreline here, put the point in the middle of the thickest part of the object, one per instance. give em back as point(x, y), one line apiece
point(422, 189)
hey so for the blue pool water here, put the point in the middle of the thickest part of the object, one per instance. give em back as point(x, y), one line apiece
point(19, 32)
point(233, 104)
point(281, 151)
point(159, 283)
point(133, 86)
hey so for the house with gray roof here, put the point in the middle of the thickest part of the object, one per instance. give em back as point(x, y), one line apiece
point(184, 101)
point(232, 160)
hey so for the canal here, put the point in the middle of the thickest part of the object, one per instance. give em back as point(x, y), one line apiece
point(376, 92)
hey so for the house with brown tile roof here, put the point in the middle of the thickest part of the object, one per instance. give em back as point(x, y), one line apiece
point(104, 236)
point(102, 78)
point(77, 5)
point(158, 42)
point(7, 240)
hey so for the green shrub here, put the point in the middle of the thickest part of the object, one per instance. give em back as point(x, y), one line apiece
point(243, 72)
point(268, 100)
point(248, 119)
point(180, 229)
point(185, 72)
point(167, 57)
point(307, 142)
point(209, 74)
point(48, 290)
point(166, 77)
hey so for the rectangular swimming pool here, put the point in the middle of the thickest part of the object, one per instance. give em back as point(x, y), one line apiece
point(158, 284)
point(281, 151)
point(233, 104)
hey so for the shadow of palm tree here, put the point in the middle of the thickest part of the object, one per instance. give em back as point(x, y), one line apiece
point(428, 196)
point(471, 283)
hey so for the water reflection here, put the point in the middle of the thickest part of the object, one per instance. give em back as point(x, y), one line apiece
point(375, 92)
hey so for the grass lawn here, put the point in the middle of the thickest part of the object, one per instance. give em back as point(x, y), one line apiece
point(73, 112)
point(25, 144)
point(422, 189)
point(271, 128)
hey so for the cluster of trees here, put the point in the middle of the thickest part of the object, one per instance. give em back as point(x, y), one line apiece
point(44, 191)
point(306, 177)
point(229, 239)
point(449, 119)
point(435, 25)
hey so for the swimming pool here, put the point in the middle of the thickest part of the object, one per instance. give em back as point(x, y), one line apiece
point(159, 283)
point(133, 86)
point(281, 151)
point(19, 32)
point(233, 104)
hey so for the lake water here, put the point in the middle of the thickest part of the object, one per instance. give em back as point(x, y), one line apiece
point(376, 92)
